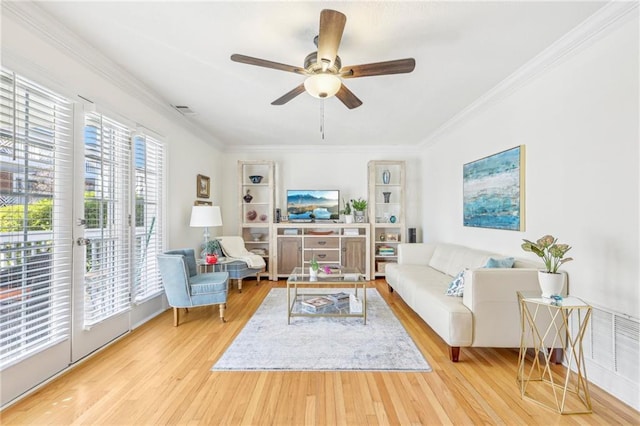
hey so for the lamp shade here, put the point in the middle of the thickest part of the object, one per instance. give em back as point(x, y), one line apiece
point(204, 216)
point(322, 85)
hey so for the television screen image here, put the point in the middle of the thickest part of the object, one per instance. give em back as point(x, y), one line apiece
point(322, 204)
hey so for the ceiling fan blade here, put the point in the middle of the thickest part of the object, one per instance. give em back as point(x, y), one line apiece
point(399, 66)
point(288, 96)
point(331, 27)
point(243, 59)
point(347, 97)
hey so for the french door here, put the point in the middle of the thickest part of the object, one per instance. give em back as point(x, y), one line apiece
point(102, 254)
point(36, 181)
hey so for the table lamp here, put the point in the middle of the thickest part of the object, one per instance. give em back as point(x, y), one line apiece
point(204, 217)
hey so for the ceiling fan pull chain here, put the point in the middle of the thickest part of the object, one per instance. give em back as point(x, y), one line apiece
point(322, 118)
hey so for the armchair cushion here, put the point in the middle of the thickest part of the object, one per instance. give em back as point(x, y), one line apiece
point(212, 282)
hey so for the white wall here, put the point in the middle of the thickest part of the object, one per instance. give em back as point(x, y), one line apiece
point(579, 122)
point(344, 169)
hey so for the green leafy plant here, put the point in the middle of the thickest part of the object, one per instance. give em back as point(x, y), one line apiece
point(359, 204)
point(212, 247)
point(550, 251)
point(314, 264)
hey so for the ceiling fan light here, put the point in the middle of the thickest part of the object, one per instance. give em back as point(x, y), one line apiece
point(322, 86)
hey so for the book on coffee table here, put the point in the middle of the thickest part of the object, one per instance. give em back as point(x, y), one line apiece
point(338, 297)
point(316, 303)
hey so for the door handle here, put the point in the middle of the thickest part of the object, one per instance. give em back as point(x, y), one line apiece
point(83, 241)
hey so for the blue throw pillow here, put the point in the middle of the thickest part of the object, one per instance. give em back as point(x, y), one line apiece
point(506, 262)
point(456, 287)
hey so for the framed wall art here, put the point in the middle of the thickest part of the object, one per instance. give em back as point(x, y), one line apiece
point(493, 191)
point(203, 186)
point(202, 203)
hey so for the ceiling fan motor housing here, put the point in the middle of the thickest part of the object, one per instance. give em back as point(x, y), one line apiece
point(313, 66)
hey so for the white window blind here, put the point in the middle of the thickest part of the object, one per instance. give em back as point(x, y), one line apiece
point(107, 280)
point(35, 218)
point(148, 163)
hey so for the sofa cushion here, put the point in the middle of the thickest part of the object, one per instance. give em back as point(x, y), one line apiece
point(451, 258)
point(504, 262)
point(446, 315)
point(456, 287)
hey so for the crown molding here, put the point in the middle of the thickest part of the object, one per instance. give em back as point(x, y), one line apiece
point(54, 33)
point(393, 150)
point(601, 23)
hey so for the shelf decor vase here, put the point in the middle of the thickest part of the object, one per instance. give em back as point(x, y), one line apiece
point(387, 197)
point(551, 284)
point(248, 197)
point(386, 177)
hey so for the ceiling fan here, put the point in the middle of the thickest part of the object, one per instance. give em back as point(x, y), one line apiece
point(323, 68)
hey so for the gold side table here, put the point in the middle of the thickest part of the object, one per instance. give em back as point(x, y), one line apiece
point(566, 392)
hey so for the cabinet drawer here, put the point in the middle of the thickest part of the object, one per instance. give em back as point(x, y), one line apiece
point(322, 255)
point(321, 242)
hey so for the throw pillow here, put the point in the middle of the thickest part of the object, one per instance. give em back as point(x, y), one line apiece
point(506, 262)
point(456, 287)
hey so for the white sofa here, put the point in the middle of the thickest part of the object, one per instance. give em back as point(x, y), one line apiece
point(488, 314)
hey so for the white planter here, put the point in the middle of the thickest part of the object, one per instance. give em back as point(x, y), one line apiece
point(348, 218)
point(313, 274)
point(550, 284)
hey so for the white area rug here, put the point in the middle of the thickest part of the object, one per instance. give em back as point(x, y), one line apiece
point(322, 343)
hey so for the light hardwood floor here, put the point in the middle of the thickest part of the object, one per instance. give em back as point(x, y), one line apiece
point(160, 374)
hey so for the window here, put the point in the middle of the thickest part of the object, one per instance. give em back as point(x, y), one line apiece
point(107, 278)
point(148, 170)
point(35, 212)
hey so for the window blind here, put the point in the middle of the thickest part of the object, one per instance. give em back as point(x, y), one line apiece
point(35, 218)
point(148, 162)
point(107, 279)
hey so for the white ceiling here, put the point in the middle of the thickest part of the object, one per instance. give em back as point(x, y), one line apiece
point(181, 50)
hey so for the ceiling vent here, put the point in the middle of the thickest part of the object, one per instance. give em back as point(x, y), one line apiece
point(184, 110)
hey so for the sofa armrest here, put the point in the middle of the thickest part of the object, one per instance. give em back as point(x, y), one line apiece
point(415, 253)
point(491, 295)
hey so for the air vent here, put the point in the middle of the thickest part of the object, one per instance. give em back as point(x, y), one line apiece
point(184, 110)
point(613, 342)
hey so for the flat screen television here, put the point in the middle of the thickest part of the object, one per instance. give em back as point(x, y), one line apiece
point(322, 204)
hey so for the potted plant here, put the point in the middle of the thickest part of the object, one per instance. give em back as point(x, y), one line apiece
point(212, 248)
point(346, 212)
point(552, 254)
point(359, 206)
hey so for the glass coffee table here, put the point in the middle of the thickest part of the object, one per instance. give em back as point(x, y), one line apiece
point(348, 297)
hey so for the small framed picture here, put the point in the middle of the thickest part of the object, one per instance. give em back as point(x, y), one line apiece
point(203, 187)
point(392, 237)
point(202, 203)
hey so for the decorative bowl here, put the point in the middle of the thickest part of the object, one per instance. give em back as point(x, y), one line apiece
point(255, 178)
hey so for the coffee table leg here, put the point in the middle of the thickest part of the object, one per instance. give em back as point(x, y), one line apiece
point(364, 302)
point(288, 304)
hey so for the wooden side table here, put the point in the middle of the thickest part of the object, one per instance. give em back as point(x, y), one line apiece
point(566, 392)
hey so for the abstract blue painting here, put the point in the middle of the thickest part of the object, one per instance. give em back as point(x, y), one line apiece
point(493, 191)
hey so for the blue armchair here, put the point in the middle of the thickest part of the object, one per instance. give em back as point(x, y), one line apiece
point(185, 288)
